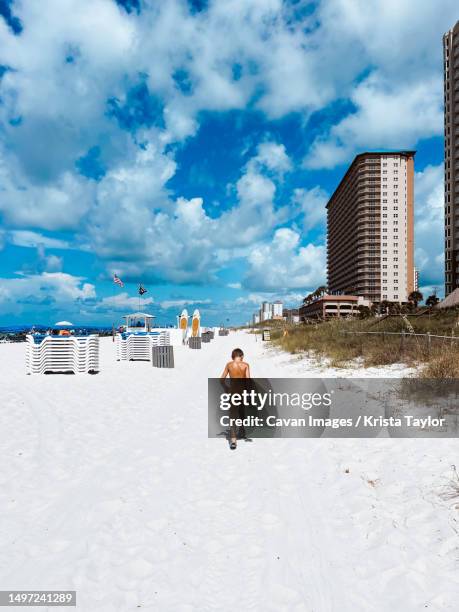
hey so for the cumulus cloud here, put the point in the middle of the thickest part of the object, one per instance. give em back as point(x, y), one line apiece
point(174, 304)
point(400, 100)
point(139, 229)
point(30, 239)
point(128, 98)
point(52, 290)
point(61, 204)
point(122, 302)
point(283, 264)
point(271, 156)
point(386, 117)
point(47, 263)
point(311, 203)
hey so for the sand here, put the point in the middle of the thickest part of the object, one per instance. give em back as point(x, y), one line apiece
point(110, 486)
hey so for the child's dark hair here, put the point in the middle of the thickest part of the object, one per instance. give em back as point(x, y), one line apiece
point(237, 353)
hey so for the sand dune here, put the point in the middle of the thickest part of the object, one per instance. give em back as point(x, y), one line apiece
point(110, 486)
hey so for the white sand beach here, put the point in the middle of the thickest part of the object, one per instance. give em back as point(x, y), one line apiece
point(135, 508)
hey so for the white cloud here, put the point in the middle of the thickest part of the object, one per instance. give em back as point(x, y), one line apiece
point(54, 263)
point(140, 231)
point(237, 55)
point(400, 101)
point(393, 35)
point(52, 290)
point(312, 204)
point(48, 263)
point(29, 239)
point(167, 304)
point(234, 285)
point(283, 264)
point(387, 117)
point(123, 302)
point(271, 156)
point(61, 204)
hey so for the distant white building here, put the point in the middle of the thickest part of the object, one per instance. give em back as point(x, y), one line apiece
point(277, 309)
point(269, 311)
point(266, 311)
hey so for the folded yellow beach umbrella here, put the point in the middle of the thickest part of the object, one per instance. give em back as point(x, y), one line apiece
point(184, 320)
point(195, 323)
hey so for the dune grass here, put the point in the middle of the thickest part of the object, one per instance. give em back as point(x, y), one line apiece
point(332, 340)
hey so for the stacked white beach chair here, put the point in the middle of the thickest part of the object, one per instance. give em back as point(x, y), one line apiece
point(133, 346)
point(77, 354)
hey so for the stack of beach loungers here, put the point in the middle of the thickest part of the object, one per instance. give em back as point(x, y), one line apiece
point(138, 346)
point(77, 354)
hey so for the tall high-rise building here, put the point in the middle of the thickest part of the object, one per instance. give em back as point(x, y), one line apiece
point(370, 234)
point(451, 90)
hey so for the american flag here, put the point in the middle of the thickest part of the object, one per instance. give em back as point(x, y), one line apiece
point(142, 290)
point(117, 280)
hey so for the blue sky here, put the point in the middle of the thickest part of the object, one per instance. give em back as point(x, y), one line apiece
point(192, 146)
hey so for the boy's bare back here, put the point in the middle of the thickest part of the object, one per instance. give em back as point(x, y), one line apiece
point(238, 369)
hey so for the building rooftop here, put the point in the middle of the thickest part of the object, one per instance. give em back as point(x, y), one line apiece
point(404, 153)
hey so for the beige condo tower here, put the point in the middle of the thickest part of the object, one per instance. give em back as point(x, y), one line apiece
point(370, 235)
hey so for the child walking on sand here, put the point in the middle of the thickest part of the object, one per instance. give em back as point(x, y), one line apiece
point(236, 369)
